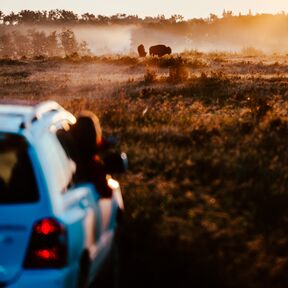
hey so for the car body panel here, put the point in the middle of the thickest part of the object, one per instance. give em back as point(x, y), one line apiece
point(89, 221)
point(56, 278)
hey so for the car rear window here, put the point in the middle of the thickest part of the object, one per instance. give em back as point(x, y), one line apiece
point(17, 179)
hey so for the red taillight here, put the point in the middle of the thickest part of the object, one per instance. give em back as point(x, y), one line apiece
point(47, 226)
point(47, 248)
point(47, 254)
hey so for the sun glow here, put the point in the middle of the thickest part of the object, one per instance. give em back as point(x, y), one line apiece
point(189, 9)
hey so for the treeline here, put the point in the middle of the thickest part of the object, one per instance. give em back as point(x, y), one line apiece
point(265, 32)
point(60, 16)
point(227, 33)
point(16, 44)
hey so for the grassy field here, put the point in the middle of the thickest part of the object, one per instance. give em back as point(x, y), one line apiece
point(206, 135)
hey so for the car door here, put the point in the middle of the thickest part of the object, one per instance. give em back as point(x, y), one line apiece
point(73, 204)
point(82, 199)
point(18, 209)
point(101, 213)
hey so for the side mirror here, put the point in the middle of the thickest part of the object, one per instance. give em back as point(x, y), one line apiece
point(115, 162)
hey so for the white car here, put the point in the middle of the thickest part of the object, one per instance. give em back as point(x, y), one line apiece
point(53, 232)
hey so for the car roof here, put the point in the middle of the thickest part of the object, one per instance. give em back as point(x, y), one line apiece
point(14, 118)
point(15, 109)
point(11, 117)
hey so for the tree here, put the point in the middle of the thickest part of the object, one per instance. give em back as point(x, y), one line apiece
point(102, 19)
point(149, 20)
point(176, 18)
point(1, 17)
point(53, 48)
point(22, 44)
point(69, 42)
point(68, 16)
point(84, 49)
point(6, 45)
point(27, 16)
point(161, 18)
point(87, 17)
point(132, 19)
point(11, 19)
point(213, 17)
point(53, 15)
point(39, 43)
point(227, 13)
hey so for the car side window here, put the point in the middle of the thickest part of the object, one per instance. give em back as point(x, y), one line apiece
point(57, 168)
point(68, 144)
point(17, 179)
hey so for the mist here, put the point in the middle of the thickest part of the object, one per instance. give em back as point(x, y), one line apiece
point(269, 37)
point(266, 33)
point(107, 39)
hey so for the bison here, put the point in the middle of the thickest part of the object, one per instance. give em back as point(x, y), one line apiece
point(141, 51)
point(159, 50)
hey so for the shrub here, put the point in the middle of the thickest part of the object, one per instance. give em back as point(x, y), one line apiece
point(251, 52)
point(178, 73)
point(197, 63)
point(150, 75)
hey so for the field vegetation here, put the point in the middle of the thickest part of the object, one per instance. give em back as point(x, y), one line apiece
point(206, 135)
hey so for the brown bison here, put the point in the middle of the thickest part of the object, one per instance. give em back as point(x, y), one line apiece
point(159, 50)
point(141, 51)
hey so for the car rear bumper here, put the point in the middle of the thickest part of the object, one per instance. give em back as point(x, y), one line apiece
point(66, 277)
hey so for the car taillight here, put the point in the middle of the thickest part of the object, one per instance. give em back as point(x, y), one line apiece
point(47, 247)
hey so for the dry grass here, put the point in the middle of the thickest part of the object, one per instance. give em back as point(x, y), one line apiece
point(206, 194)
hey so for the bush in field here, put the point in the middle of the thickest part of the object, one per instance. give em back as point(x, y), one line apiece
point(125, 60)
point(178, 71)
point(259, 107)
point(196, 62)
point(169, 61)
point(251, 52)
point(192, 53)
point(150, 75)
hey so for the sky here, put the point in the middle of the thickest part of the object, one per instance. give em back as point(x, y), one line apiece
point(187, 8)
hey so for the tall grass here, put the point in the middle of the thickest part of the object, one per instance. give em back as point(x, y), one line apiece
point(206, 194)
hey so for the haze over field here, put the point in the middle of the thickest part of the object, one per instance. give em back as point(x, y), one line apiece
point(121, 34)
